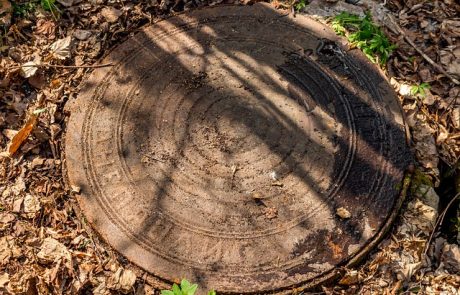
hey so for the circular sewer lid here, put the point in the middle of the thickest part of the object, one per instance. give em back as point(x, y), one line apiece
point(228, 145)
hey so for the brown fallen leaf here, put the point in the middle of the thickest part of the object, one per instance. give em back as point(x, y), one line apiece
point(350, 278)
point(61, 48)
point(4, 280)
point(52, 250)
point(122, 280)
point(22, 135)
point(5, 12)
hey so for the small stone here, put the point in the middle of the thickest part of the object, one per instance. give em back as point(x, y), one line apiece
point(405, 89)
point(257, 196)
point(271, 212)
point(75, 189)
point(343, 213)
point(274, 175)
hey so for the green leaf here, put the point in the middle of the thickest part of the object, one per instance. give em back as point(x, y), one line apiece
point(365, 35)
point(187, 288)
point(48, 4)
point(184, 284)
point(167, 292)
point(192, 289)
point(301, 4)
point(177, 290)
point(212, 292)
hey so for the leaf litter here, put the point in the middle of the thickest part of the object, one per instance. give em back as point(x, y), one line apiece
point(46, 247)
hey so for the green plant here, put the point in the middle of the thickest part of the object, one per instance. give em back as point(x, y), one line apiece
point(301, 4)
point(49, 5)
point(420, 90)
point(365, 35)
point(185, 288)
point(23, 9)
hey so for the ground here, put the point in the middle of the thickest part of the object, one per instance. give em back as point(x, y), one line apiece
point(46, 247)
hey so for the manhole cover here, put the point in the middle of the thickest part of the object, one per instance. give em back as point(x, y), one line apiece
point(222, 142)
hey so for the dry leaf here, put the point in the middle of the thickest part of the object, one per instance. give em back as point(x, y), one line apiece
point(456, 117)
point(17, 205)
point(4, 279)
point(61, 48)
point(5, 13)
point(101, 288)
point(22, 135)
point(122, 280)
point(52, 250)
point(29, 69)
point(31, 205)
point(450, 59)
point(6, 217)
point(8, 249)
point(46, 27)
point(408, 270)
point(451, 258)
point(38, 81)
point(111, 14)
point(443, 134)
point(350, 278)
point(10, 134)
point(22, 283)
point(425, 146)
point(84, 272)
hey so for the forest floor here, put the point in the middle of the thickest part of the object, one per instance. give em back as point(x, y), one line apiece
point(47, 48)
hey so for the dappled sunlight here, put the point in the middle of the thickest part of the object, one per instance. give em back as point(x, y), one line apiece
point(224, 137)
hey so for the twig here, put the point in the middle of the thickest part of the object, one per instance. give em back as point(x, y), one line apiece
point(391, 24)
point(45, 65)
point(153, 158)
point(430, 61)
point(439, 221)
point(234, 169)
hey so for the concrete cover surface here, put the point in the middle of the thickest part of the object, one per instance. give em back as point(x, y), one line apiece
point(237, 147)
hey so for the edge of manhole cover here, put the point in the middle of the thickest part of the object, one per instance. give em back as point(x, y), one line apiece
point(222, 142)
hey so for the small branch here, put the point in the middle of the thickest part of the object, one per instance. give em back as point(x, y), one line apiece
point(47, 65)
point(438, 222)
point(79, 67)
point(391, 24)
point(430, 61)
point(153, 158)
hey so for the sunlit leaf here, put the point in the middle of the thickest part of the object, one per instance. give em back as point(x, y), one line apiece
point(22, 135)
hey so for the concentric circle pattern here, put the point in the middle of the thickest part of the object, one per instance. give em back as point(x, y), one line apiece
point(222, 141)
